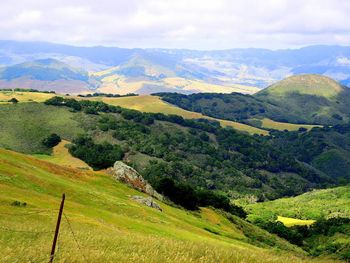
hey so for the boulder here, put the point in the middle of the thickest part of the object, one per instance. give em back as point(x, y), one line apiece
point(147, 201)
point(131, 177)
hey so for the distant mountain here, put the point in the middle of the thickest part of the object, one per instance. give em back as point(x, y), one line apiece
point(45, 74)
point(144, 71)
point(312, 99)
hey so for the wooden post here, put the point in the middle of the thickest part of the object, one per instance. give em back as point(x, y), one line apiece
point(57, 229)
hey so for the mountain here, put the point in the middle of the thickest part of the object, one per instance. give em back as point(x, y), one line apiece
point(45, 74)
point(146, 71)
point(302, 99)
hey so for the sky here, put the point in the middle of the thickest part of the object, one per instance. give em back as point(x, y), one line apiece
point(191, 24)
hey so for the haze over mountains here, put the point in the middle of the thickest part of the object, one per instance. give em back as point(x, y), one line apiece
point(72, 69)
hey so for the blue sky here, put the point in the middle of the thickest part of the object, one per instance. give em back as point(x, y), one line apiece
point(194, 24)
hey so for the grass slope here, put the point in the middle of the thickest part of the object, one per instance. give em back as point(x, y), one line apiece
point(5, 96)
point(309, 84)
point(61, 156)
point(27, 124)
point(281, 126)
point(110, 227)
point(314, 205)
point(149, 103)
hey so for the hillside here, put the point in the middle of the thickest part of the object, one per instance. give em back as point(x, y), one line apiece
point(154, 104)
point(45, 74)
point(300, 99)
point(330, 234)
point(308, 84)
point(199, 153)
point(102, 223)
point(328, 203)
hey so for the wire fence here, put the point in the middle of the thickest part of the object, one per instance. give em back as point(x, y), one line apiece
point(67, 230)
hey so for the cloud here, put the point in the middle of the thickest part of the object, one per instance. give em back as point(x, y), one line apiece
point(196, 24)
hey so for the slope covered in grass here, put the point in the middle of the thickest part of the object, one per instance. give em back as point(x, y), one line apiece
point(314, 205)
point(108, 226)
point(310, 84)
point(24, 126)
point(61, 156)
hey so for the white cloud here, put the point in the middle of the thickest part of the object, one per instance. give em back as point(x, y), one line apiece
point(198, 24)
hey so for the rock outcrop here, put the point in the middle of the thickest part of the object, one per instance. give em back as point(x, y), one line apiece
point(131, 177)
point(148, 201)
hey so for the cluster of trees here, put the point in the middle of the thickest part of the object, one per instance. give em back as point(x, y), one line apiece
point(234, 106)
point(309, 147)
point(310, 238)
point(191, 198)
point(108, 95)
point(98, 156)
point(28, 90)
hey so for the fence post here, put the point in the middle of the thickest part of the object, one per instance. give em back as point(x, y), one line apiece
point(57, 229)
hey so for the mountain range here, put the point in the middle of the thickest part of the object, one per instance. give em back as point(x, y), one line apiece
point(145, 71)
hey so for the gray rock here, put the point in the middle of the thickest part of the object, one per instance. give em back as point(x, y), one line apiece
point(148, 201)
point(131, 177)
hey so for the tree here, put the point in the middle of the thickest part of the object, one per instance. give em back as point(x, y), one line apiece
point(13, 101)
point(52, 140)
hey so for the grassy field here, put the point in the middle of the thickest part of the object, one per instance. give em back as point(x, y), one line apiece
point(23, 128)
point(287, 221)
point(313, 205)
point(61, 156)
point(102, 224)
point(281, 126)
point(149, 103)
point(5, 96)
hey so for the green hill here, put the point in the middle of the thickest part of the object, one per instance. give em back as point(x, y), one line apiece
point(101, 222)
point(308, 84)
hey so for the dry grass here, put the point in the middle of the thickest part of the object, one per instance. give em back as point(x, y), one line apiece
point(287, 221)
point(5, 96)
point(61, 156)
point(281, 126)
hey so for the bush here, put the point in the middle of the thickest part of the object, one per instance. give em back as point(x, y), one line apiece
point(52, 140)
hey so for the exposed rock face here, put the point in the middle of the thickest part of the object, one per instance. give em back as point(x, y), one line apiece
point(147, 201)
point(130, 176)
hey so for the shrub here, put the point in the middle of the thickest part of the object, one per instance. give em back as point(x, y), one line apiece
point(52, 140)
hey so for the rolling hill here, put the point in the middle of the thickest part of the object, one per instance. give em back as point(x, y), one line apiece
point(185, 71)
point(102, 223)
point(301, 99)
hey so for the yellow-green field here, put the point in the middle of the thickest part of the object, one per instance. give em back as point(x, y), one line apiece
point(5, 96)
point(281, 126)
point(61, 156)
point(289, 222)
point(101, 222)
point(148, 103)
